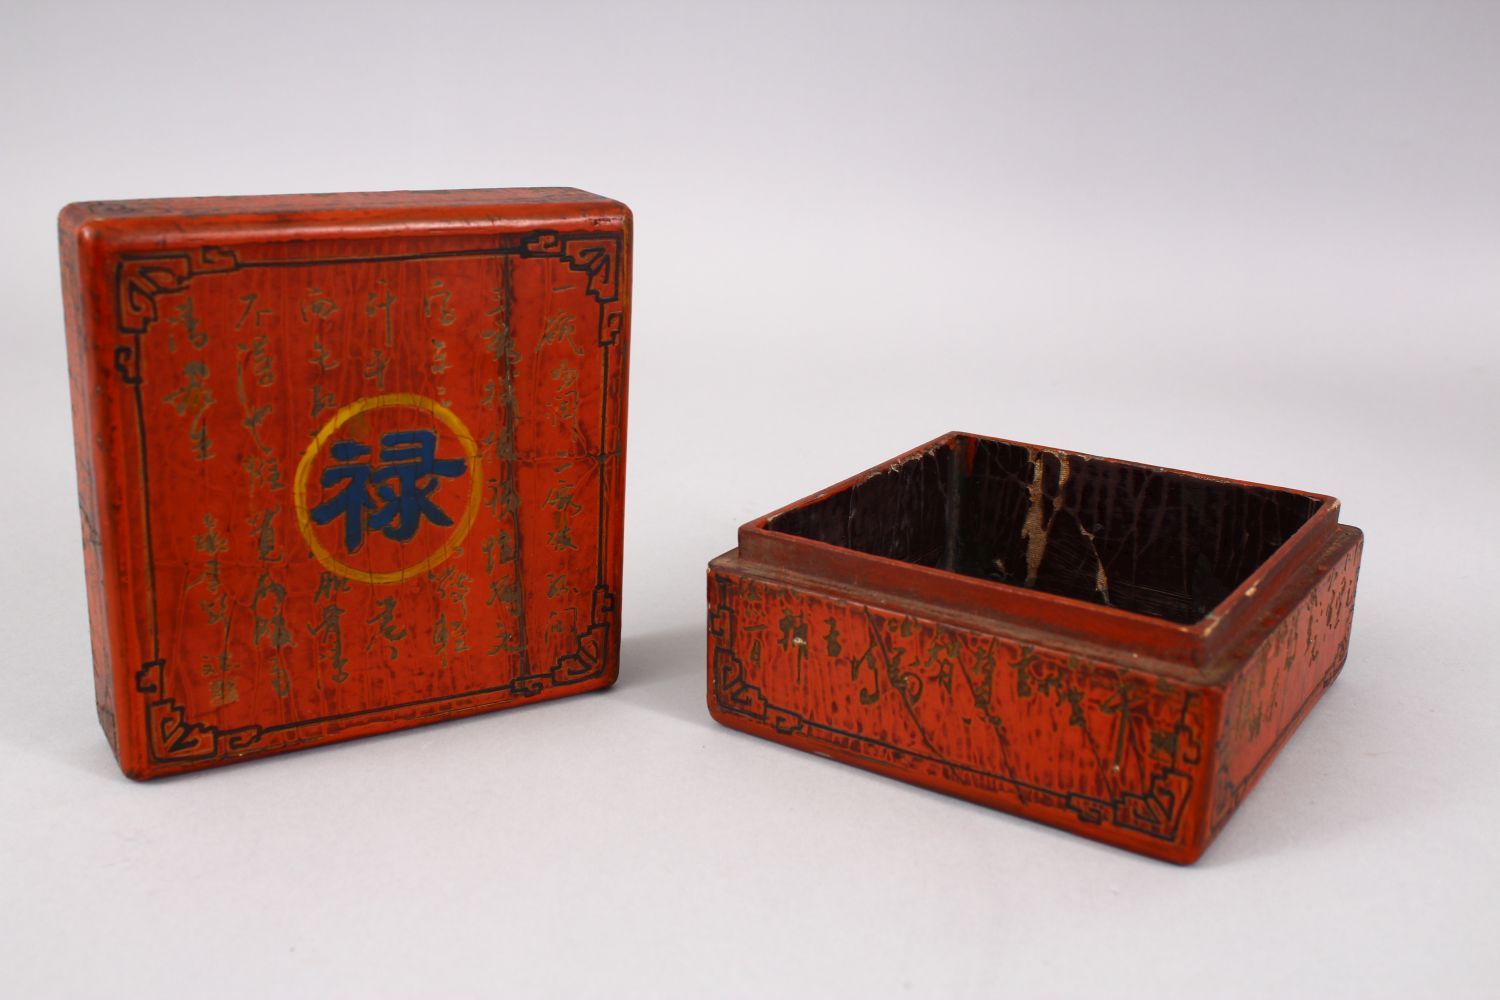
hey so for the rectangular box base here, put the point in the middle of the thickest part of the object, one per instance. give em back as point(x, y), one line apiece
point(1113, 742)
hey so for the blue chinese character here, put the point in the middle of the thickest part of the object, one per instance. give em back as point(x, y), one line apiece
point(404, 484)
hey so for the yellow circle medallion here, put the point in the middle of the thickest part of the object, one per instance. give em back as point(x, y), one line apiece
point(412, 463)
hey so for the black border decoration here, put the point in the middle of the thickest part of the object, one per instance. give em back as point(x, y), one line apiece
point(174, 738)
point(1158, 812)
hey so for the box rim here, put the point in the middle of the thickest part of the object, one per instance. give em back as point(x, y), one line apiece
point(165, 224)
point(1195, 642)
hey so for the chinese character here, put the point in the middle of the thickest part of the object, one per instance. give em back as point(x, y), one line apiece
point(374, 304)
point(330, 632)
point(322, 400)
point(442, 297)
point(196, 396)
point(560, 499)
point(559, 329)
point(187, 318)
point(562, 537)
point(318, 305)
point(404, 484)
point(385, 621)
point(249, 311)
point(321, 358)
point(832, 638)
point(794, 633)
point(376, 369)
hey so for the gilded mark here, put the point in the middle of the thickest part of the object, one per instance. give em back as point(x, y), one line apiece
point(261, 464)
point(558, 585)
point(268, 604)
point(281, 679)
point(871, 694)
point(317, 305)
point(262, 365)
point(560, 501)
point(375, 369)
point(194, 397)
point(386, 629)
point(376, 304)
point(908, 684)
point(438, 303)
point(219, 670)
point(564, 408)
point(322, 359)
point(560, 329)
point(1132, 728)
point(831, 637)
point(329, 632)
point(186, 316)
point(250, 313)
point(1022, 667)
point(450, 635)
point(322, 399)
point(941, 655)
point(269, 607)
point(215, 607)
point(981, 681)
point(794, 635)
point(262, 527)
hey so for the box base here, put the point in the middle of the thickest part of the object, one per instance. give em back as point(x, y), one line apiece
point(1106, 743)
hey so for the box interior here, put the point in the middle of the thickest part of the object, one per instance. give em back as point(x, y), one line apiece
point(1145, 540)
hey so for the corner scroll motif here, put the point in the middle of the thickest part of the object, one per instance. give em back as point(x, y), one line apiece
point(139, 280)
point(732, 690)
point(172, 737)
point(1158, 812)
point(588, 660)
point(597, 256)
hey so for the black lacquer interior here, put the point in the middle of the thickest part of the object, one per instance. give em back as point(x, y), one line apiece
point(1157, 543)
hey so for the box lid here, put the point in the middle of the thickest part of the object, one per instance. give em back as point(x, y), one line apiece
point(346, 462)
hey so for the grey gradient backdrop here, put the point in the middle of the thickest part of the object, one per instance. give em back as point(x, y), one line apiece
point(1259, 240)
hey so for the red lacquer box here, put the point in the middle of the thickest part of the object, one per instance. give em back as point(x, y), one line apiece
point(1115, 649)
point(346, 463)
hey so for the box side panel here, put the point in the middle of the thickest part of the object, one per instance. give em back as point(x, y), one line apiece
point(1114, 754)
point(1285, 672)
point(357, 484)
point(613, 443)
point(80, 310)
